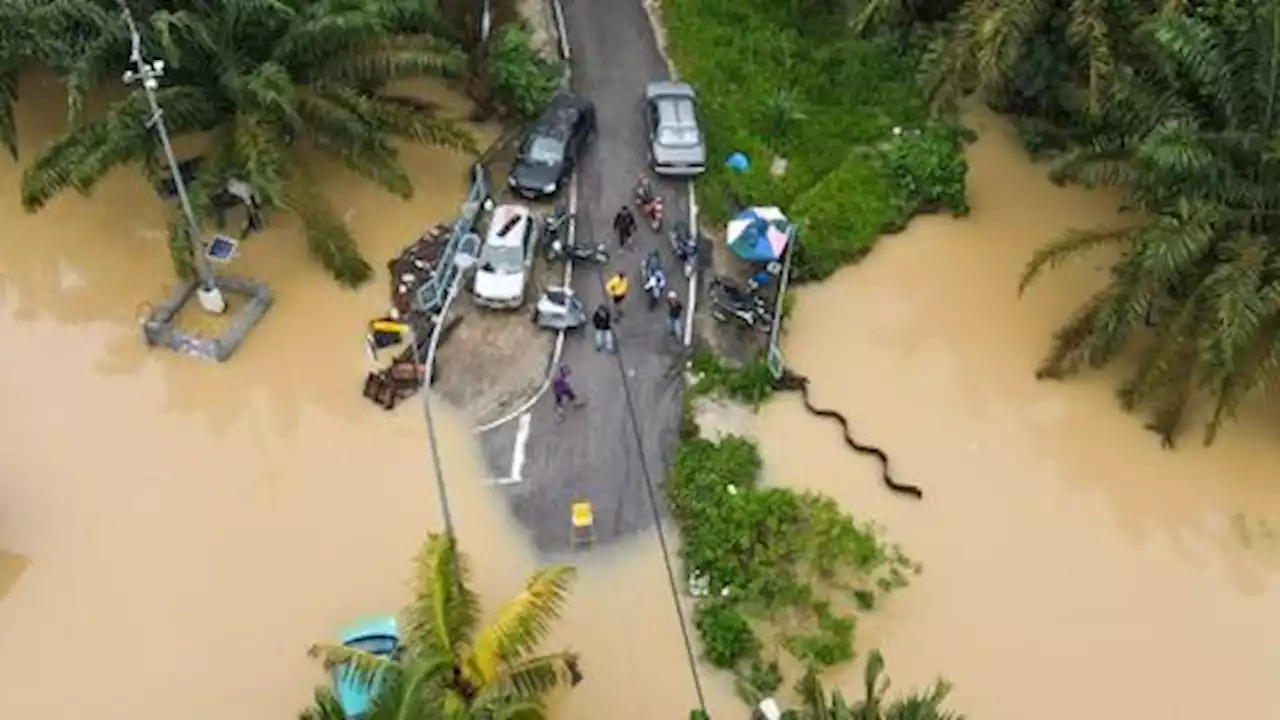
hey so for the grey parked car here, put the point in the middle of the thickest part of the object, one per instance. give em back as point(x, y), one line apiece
point(676, 145)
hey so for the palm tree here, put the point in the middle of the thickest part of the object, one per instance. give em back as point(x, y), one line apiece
point(268, 81)
point(1004, 48)
point(816, 704)
point(451, 668)
point(1194, 145)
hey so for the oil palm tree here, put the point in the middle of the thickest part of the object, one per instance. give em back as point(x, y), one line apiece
point(450, 667)
point(817, 704)
point(268, 81)
point(1196, 149)
point(995, 46)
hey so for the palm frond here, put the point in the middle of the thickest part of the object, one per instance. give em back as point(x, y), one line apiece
point(1072, 244)
point(362, 665)
point(324, 706)
point(443, 613)
point(328, 239)
point(378, 66)
point(523, 621)
point(412, 120)
point(324, 35)
point(532, 678)
point(8, 97)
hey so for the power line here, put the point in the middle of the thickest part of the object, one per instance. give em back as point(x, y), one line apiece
point(657, 516)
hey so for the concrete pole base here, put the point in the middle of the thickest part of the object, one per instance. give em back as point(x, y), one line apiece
point(211, 300)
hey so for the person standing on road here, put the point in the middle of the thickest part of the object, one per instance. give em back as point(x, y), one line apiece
point(617, 289)
point(563, 392)
point(675, 315)
point(624, 223)
point(602, 320)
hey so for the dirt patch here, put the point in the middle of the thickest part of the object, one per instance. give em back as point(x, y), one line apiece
point(730, 340)
point(717, 417)
point(540, 19)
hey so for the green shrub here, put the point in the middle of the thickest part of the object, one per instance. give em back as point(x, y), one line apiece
point(524, 80)
point(766, 552)
point(727, 638)
point(930, 169)
point(773, 83)
point(841, 217)
point(751, 384)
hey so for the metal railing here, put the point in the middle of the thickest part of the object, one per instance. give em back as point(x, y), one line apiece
point(773, 356)
point(430, 297)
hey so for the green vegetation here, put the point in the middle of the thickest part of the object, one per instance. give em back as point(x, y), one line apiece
point(751, 384)
point(450, 666)
point(816, 704)
point(777, 569)
point(266, 82)
point(1175, 104)
point(523, 79)
point(775, 80)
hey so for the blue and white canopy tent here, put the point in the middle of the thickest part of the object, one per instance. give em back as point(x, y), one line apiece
point(759, 234)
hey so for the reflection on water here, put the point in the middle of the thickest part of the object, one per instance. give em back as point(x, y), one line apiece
point(1072, 568)
point(192, 528)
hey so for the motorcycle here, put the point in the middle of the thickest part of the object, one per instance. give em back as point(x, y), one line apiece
point(557, 223)
point(559, 249)
point(685, 246)
point(730, 303)
point(655, 278)
point(650, 203)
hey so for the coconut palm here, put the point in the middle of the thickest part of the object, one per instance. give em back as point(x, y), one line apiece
point(1194, 145)
point(816, 704)
point(269, 82)
point(452, 668)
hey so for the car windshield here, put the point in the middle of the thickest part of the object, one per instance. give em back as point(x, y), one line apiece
point(502, 259)
point(374, 644)
point(544, 150)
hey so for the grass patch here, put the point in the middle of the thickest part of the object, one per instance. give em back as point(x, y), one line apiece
point(750, 384)
point(776, 85)
point(783, 571)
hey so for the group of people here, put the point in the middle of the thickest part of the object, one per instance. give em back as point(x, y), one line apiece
point(608, 314)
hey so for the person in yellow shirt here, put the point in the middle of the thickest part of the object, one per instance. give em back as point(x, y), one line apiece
point(617, 287)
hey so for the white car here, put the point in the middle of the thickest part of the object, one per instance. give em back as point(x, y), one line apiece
point(505, 258)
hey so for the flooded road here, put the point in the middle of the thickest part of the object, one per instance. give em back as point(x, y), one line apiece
point(1071, 568)
point(174, 534)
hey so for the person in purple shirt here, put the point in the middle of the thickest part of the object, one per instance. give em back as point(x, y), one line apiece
point(563, 392)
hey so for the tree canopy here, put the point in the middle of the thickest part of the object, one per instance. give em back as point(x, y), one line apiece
point(450, 667)
point(269, 82)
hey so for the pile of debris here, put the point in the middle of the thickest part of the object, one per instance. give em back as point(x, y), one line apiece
point(404, 323)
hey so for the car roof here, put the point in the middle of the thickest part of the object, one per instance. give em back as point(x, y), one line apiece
point(371, 627)
point(677, 112)
point(503, 215)
point(558, 119)
point(668, 88)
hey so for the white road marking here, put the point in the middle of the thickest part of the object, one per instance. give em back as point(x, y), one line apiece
point(523, 425)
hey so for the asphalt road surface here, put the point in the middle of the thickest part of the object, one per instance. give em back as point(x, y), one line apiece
point(597, 453)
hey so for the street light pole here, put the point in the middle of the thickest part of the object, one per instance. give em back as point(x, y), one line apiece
point(147, 74)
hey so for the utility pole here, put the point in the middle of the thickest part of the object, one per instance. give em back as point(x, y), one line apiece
point(148, 75)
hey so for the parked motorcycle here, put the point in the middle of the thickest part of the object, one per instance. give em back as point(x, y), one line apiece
point(731, 303)
point(685, 246)
point(655, 278)
point(650, 203)
point(559, 249)
point(556, 224)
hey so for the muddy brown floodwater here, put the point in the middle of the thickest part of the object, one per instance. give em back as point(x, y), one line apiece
point(1072, 569)
point(174, 534)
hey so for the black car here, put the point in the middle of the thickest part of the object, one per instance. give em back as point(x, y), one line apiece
point(552, 147)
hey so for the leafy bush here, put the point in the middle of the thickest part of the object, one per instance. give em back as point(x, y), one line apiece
point(772, 82)
point(751, 384)
point(727, 638)
point(841, 217)
point(930, 170)
point(771, 552)
point(524, 80)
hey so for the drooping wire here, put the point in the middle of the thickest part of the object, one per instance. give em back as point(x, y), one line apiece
point(657, 513)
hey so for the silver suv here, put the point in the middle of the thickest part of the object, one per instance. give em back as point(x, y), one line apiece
point(676, 145)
